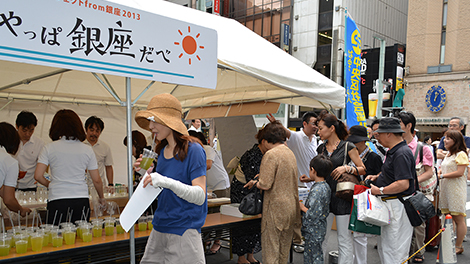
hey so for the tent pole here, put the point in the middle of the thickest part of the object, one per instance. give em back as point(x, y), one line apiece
point(109, 89)
point(142, 93)
point(129, 161)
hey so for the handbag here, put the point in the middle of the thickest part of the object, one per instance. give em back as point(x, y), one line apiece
point(358, 225)
point(372, 210)
point(428, 186)
point(418, 208)
point(252, 203)
point(346, 182)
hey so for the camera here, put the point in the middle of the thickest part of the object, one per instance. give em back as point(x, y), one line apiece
point(367, 182)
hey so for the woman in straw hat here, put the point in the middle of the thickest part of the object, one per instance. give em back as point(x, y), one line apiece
point(181, 172)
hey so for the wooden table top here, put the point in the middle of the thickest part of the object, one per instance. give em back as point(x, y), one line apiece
point(212, 220)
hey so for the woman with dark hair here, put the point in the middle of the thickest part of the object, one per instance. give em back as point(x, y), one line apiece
point(9, 142)
point(247, 240)
point(181, 172)
point(69, 158)
point(453, 175)
point(281, 209)
point(138, 143)
point(333, 132)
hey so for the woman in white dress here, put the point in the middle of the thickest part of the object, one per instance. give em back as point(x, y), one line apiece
point(453, 175)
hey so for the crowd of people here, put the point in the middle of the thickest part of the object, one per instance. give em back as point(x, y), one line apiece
point(388, 153)
point(74, 159)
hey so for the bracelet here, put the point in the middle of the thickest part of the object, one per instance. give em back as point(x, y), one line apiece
point(442, 176)
point(110, 184)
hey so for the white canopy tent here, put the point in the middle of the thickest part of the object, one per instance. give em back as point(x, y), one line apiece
point(250, 69)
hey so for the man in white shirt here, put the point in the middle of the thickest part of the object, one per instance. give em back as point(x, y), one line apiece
point(28, 151)
point(195, 125)
point(94, 126)
point(304, 145)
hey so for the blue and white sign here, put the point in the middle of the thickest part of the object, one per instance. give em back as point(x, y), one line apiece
point(104, 37)
point(352, 69)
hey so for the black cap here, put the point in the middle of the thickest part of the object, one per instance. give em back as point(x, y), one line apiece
point(357, 134)
point(389, 125)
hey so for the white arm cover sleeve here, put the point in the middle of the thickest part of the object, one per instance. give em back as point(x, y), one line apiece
point(192, 194)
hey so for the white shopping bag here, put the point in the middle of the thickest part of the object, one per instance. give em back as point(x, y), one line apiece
point(372, 210)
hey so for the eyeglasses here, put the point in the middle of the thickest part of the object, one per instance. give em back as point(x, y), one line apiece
point(453, 125)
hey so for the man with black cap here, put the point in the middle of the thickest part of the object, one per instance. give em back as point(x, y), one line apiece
point(397, 178)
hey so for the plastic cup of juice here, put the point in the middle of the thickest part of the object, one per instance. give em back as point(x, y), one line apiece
point(45, 239)
point(109, 227)
point(97, 228)
point(148, 157)
point(46, 229)
point(87, 234)
point(5, 245)
point(21, 243)
point(149, 222)
point(53, 230)
point(79, 223)
point(36, 241)
point(119, 229)
point(5, 249)
point(11, 234)
point(57, 239)
point(21, 246)
point(69, 235)
point(142, 223)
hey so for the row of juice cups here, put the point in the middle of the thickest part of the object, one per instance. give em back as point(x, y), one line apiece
point(36, 238)
point(145, 222)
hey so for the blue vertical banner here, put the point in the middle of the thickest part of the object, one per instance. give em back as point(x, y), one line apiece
point(352, 70)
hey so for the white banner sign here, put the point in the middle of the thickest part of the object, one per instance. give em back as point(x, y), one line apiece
point(104, 37)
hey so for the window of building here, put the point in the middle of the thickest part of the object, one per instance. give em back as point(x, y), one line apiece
point(443, 33)
point(325, 37)
point(264, 17)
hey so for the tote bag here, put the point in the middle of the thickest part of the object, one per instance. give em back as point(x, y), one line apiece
point(357, 225)
point(372, 210)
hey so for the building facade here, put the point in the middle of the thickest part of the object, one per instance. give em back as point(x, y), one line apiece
point(437, 84)
point(313, 30)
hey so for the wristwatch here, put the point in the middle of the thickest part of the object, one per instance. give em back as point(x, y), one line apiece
point(381, 189)
point(442, 176)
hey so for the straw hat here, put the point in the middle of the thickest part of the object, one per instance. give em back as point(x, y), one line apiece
point(164, 109)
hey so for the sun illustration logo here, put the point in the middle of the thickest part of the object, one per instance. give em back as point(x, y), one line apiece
point(189, 44)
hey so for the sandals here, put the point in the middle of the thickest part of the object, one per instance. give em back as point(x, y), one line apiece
point(458, 250)
point(213, 252)
point(418, 259)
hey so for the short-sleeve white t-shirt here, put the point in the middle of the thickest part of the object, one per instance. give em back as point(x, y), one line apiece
point(27, 157)
point(217, 176)
point(8, 169)
point(68, 160)
point(104, 158)
point(304, 151)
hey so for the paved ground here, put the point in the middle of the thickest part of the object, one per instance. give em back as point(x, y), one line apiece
point(372, 256)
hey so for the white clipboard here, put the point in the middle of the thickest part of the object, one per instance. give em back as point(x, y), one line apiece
point(139, 202)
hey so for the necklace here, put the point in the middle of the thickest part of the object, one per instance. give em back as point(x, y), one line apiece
point(334, 147)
